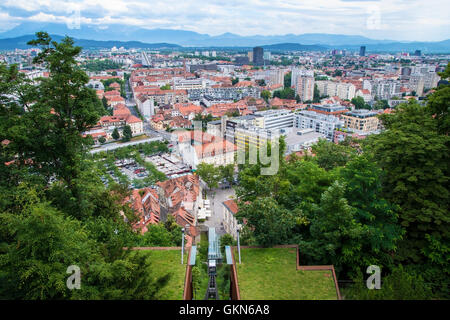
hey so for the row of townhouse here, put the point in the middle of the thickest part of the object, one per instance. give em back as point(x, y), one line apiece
point(178, 197)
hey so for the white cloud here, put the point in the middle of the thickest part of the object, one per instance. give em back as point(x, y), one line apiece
point(393, 19)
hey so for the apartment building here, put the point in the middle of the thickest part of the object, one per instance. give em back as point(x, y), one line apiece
point(164, 97)
point(189, 84)
point(274, 119)
point(321, 123)
point(336, 89)
point(365, 94)
point(275, 77)
point(224, 93)
point(361, 119)
point(386, 89)
point(304, 87)
point(232, 124)
point(329, 109)
point(145, 105)
point(297, 140)
point(230, 209)
point(257, 137)
point(296, 72)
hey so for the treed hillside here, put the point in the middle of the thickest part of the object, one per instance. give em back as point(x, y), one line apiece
point(54, 209)
point(381, 201)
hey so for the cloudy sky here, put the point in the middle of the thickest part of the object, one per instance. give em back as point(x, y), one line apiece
point(424, 20)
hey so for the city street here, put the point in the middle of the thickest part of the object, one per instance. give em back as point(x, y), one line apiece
point(217, 197)
point(130, 103)
point(116, 145)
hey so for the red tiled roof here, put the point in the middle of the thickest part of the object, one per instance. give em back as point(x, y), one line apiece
point(214, 148)
point(231, 205)
point(112, 93)
point(115, 98)
point(187, 108)
point(133, 119)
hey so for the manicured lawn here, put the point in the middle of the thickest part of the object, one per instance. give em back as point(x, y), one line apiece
point(270, 274)
point(168, 261)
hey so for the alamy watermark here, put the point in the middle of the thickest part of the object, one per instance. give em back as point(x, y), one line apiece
point(374, 281)
point(263, 147)
point(74, 280)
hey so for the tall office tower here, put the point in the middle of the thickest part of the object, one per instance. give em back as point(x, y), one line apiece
point(242, 60)
point(258, 56)
point(362, 51)
point(305, 87)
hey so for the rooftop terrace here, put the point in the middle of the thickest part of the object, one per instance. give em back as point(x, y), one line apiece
point(271, 274)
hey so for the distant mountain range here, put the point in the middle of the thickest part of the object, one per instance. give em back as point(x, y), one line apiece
point(21, 43)
point(131, 36)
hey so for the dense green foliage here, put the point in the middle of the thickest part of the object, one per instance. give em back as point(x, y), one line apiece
point(287, 80)
point(54, 210)
point(204, 119)
point(380, 201)
point(266, 95)
point(100, 65)
point(127, 133)
point(359, 103)
point(210, 174)
point(286, 93)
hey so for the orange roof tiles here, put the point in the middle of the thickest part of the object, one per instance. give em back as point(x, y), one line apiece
point(231, 205)
point(214, 148)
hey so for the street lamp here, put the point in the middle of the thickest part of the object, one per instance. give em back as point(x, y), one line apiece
point(182, 244)
point(238, 244)
point(182, 241)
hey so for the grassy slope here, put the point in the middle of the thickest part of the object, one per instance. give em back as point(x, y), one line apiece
point(168, 261)
point(270, 274)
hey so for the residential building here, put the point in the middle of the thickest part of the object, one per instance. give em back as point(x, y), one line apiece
point(339, 89)
point(230, 224)
point(258, 137)
point(224, 93)
point(180, 197)
point(145, 105)
point(274, 119)
point(329, 109)
point(365, 94)
point(296, 72)
point(297, 140)
point(305, 87)
point(321, 123)
point(361, 119)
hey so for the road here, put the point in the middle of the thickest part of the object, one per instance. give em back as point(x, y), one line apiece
point(217, 197)
point(130, 103)
point(112, 146)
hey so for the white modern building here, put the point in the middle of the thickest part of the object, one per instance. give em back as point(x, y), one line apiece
point(325, 124)
point(340, 89)
point(297, 140)
point(274, 119)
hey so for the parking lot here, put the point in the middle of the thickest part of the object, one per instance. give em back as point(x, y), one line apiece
point(169, 165)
